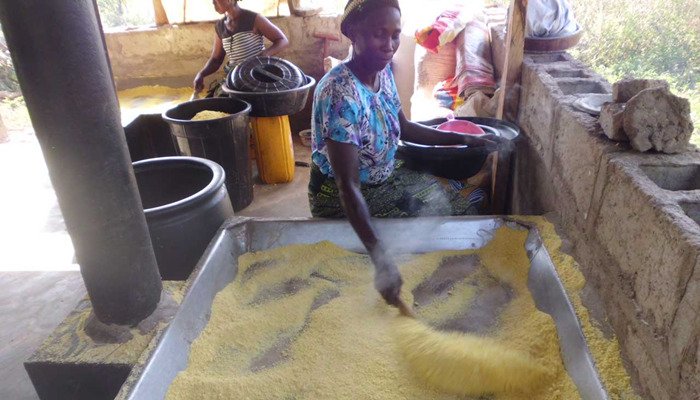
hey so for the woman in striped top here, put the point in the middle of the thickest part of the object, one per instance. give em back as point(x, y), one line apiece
point(239, 35)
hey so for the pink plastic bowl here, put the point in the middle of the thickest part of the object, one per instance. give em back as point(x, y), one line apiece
point(461, 126)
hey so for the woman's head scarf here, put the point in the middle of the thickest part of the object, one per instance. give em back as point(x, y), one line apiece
point(355, 10)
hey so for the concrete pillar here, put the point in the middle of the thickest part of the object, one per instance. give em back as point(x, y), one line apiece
point(59, 55)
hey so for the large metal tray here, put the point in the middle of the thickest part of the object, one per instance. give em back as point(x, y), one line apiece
point(169, 352)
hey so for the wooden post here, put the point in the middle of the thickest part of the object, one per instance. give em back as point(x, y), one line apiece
point(161, 16)
point(509, 99)
point(515, 44)
point(184, 11)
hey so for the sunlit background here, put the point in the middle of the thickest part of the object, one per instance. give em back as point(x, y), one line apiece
point(130, 13)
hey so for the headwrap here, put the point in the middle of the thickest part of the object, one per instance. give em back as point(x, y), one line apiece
point(355, 10)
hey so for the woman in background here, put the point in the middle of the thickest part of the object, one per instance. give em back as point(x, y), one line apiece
point(356, 124)
point(239, 35)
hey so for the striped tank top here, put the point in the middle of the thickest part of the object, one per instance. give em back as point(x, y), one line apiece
point(243, 42)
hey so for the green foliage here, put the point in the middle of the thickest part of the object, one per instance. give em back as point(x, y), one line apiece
point(644, 39)
point(694, 97)
point(14, 103)
point(112, 13)
point(8, 78)
point(115, 13)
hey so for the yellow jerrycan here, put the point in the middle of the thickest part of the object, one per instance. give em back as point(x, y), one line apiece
point(274, 153)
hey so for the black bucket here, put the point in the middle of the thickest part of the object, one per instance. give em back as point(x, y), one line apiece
point(185, 202)
point(223, 140)
point(148, 136)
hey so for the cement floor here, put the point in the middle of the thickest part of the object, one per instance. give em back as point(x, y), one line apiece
point(39, 283)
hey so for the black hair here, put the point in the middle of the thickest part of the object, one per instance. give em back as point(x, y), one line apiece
point(355, 10)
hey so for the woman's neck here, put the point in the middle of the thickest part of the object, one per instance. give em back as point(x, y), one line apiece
point(367, 76)
point(233, 12)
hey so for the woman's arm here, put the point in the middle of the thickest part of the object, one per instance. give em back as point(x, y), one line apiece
point(212, 65)
point(417, 133)
point(266, 28)
point(344, 161)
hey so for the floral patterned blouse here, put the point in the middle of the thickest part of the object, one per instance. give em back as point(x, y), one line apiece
point(347, 111)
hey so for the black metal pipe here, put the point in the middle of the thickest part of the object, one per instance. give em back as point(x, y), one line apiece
point(60, 58)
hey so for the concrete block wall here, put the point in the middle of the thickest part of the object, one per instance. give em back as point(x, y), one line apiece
point(633, 219)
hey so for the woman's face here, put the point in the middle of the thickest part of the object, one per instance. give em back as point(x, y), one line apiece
point(376, 38)
point(221, 5)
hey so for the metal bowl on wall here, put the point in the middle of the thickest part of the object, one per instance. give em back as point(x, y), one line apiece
point(454, 161)
point(553, 44)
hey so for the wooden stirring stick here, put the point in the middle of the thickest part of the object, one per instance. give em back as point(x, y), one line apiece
point(405, 310)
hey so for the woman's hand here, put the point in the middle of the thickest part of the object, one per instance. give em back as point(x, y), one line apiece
point(212, 65)
point(198, 83)
point(344, 160)
point(488, 141)
point(387, 279)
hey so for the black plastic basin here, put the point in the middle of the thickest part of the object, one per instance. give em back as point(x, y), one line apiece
point(274, 104)
point(185, 201)
point(454, 162)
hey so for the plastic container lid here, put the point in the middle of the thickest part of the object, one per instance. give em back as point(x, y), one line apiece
point(265, 74)
point(461, 126)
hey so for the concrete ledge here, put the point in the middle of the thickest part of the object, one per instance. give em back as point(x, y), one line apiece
point(71, 364)
point(533, 193)
point(538, 112)
point(578, 153)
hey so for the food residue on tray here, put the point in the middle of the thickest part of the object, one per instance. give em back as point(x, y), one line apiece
point(304, 322)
